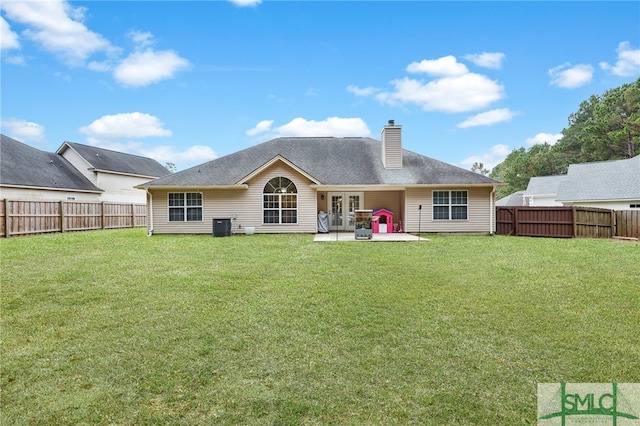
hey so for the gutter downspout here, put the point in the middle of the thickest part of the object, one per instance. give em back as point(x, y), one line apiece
point(492, 214)
point(150, 203)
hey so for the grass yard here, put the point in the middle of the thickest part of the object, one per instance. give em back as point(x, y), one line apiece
point(112, 327)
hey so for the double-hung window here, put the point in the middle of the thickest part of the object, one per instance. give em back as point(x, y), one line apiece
point(450, 205)
point(280, 201)
point(185, 207)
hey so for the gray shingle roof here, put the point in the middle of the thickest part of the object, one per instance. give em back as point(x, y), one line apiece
point(514, 199)
point(22, 165)
point(606, 180)
point(545, 185)
point(331, 161)
point(114, 161)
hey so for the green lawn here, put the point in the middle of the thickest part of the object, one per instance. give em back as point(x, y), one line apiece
point(113, 327)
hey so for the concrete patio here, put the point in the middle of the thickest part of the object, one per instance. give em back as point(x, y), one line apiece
point(350, 236)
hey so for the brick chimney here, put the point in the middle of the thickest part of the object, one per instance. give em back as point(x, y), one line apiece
point(392, 146)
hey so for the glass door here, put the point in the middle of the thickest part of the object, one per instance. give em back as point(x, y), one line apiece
point(343, 206)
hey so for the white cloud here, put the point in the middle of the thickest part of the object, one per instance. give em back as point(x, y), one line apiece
point(462, 93)
point(23, 130)
point(195, 154)
point(567, 76)
point(628, 63)
point(487, 59)
point(57, 27)
point(246, 3)
point(16, 60)
point(190, 156)
point(141, 38)
point(454, 88)
point(542, 138)
point(125, 126)
point(362, 91)
point(145, 65)
point(332, 126)
point(261, 127)
point(8, 39)
point(488, 118)
point(495, 156)
point(442, 67)
point(149, 66)
point(120, 132)
point(301, 127)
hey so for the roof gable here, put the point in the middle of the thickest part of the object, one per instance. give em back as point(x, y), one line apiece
point(327, 160)
point(23, 165)
point(116, 162)
point(276, 159)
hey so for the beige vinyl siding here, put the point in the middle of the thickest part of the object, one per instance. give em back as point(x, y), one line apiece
point(479, 211)
point(307, 204)
point(389, 200)
point(216, 204)
point(243, 204)
point(36, 194)
point(121, 188)
point(82, 165)
point(392, 147)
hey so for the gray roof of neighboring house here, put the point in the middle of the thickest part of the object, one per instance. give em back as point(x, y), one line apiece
point(606, 180)
point(22, 165)
point(545, 185)
point(514, 199)
point(118, 162)
point(329, 160)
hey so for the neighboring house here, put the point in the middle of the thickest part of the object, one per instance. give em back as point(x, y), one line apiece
point(515, 199)
point(75, 172)
point(543, 190)
point(282, 185)
point(607, 184)
point(27, 173)
point(114, 172)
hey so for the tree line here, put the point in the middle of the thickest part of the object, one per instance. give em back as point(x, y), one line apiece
point(605, 127)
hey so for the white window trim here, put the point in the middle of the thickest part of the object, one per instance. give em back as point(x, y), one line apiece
point(185, 207)
point(280, 209)
point(450, 205)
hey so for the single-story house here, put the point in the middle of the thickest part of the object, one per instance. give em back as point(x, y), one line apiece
point(282, 185)
point(606, 184)
point(543, 190)
point(74, 172)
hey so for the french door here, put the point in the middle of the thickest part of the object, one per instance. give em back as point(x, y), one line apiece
point(342, 209)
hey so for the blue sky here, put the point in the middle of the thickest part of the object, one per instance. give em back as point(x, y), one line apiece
point(189, 81)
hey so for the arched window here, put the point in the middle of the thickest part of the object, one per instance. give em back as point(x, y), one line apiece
point(280, 201)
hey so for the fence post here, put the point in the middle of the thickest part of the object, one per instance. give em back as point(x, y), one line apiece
point(102, 215)
point(614, 224)
point(133, 215)
point(7, 230)
point(61, 216)
point(573, 219)
point(515, 221)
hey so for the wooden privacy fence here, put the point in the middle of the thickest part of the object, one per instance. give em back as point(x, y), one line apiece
point(628, 223)
point(39, 217)
point(567, 222)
